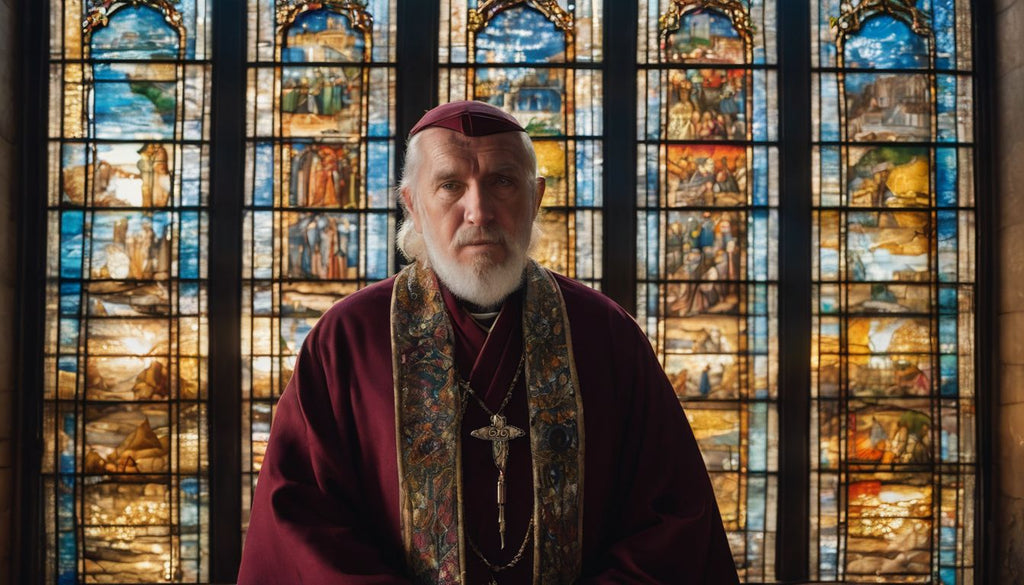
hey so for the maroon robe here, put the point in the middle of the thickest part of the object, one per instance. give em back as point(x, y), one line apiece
point(326, 509)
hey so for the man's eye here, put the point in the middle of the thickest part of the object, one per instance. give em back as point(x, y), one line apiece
point(449, 186)
point(503, 181)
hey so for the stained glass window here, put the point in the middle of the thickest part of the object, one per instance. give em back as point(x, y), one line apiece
point(893, 278)
point(540, 60)
point(319, 219)
point(124, 467)
point(707, 204)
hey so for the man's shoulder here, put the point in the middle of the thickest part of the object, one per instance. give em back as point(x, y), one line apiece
point(371, 302)
point(589, 305)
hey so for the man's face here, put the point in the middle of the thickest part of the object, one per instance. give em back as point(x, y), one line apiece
point(474, 200)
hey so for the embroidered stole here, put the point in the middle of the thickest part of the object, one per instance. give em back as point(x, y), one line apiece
point(428, 429)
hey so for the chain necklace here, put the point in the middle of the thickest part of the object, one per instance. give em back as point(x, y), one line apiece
point(495, 569)
point(468, 391)
point(499, 433)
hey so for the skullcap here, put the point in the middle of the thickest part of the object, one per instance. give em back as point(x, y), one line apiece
point(469, 118)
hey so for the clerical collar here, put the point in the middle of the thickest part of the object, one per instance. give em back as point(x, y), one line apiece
point(485, 319)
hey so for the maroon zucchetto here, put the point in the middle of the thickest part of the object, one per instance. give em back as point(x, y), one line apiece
point(469, 118)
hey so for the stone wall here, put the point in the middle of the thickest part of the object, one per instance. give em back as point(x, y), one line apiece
point(8, 276)
point(1009, 416)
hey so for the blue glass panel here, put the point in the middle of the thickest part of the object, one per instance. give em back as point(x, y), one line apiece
point(947, 244)
point(945, 34)
point(188, 298)
point(134, 109)
point(70, 298)
point(67, 544)
point(72, 243)
point(188, 250)
point(761, 120)
point(653, 176)
point(654, 243)
point(946, 188)
point(262, 302)
point(947, 300)
point(826, 44)
point(263, 181)
point(759, 244)
point(886, 43)
point(263, 243)
point(135, 33)
point(191, 173)
point(947, 334)
point(760, 176)
point(381, 121)
point(829, 115)
point(946, 105)
point(377, 248)
point(588, 189)
point(378, 174)
point(520, 35)
point(759, 322)
point(949, 376)
point(322, 36)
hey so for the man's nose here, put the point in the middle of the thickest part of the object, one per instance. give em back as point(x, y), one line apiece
point(479, 209)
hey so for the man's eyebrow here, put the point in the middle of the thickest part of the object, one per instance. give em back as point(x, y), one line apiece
point(443, 174)
point(506, 168)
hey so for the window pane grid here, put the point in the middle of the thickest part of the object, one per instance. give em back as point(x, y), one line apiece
point(892, 390)
point(707, 268)
point(124, 470)
point(319, 212)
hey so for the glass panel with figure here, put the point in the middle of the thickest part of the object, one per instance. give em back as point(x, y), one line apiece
point(540, 61)
point(893, 400)
point(319, 215)
point(125, 474)
point(706, 259)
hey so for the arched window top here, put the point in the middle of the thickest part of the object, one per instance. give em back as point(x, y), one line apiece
point(703, 31)
point(521, 35)
point(327, 36)
point(884, 42)
point(135, 30)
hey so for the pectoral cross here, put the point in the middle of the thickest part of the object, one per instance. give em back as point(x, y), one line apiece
point(499, 434)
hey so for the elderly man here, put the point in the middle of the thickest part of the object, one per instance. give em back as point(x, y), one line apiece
point(478, 419)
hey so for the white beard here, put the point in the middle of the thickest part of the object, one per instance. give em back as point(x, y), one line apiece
point(484, 283)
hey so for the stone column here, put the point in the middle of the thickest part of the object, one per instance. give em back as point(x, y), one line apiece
point(1009, 415)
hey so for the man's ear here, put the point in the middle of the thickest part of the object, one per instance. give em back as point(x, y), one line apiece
point(541, 185)
point(410, 209)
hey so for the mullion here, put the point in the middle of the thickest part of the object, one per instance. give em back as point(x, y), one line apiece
point(794, 304)
point(226, 202)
